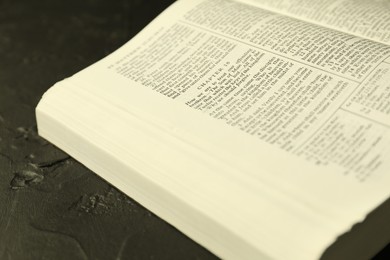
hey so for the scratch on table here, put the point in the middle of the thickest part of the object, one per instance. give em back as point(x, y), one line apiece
point(52, 163)
point(122, 248)
point(14, 199)
point(58, 233)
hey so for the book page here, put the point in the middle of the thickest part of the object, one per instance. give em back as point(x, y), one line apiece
point(365, 18)
point(326, 105)
point(285, 104)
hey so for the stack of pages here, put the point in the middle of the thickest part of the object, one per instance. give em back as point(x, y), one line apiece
point(260, 129)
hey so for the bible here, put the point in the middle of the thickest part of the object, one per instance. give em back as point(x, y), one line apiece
point(260, 129)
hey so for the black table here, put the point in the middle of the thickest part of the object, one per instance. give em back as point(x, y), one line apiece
point(51, 206)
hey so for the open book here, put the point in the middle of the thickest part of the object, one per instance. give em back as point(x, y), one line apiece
point(260, 129)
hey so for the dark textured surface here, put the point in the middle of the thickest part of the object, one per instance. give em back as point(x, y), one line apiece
point(51, 207)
